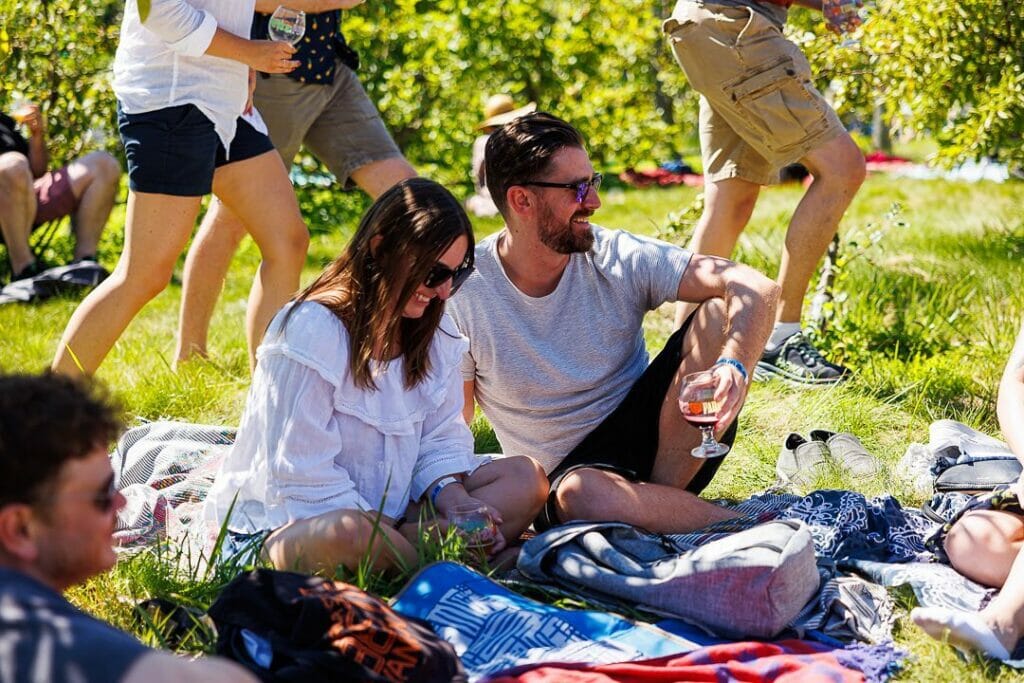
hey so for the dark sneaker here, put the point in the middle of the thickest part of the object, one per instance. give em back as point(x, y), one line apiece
point(29, 271)
point(801, 462)
point(798, 362)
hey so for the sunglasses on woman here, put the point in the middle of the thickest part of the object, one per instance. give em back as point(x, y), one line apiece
point(440, 273)
point(581, 187)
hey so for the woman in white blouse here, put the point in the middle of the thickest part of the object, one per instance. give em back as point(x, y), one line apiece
point(182, 76)
point(353, 423)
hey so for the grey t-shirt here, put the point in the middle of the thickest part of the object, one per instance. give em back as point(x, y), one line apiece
point(549, 369)
point(43, 637)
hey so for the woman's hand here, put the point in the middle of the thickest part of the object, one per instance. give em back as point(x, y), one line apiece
point(271, 56)
point(454, 495)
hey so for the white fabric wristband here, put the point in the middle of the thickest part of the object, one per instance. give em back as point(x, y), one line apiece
point(436, 491)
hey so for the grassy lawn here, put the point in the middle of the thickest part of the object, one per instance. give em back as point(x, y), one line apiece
point(928, 303)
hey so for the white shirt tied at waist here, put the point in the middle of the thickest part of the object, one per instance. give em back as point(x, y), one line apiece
point(162, 63)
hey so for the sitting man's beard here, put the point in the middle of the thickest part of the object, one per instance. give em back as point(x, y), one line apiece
point(564, 238)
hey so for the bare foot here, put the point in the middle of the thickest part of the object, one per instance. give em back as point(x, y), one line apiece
point(966, 631)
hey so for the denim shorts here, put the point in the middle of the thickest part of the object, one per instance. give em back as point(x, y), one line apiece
point(175, 150)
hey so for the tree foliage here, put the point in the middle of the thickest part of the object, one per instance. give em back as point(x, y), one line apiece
point(949, 68)
point(57, 53)
point(431, 64)
point(952, 69)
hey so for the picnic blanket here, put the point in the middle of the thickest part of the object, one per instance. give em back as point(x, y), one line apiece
point(164, 470)
point(499, 633)
point(783, 662)
point(494, 629)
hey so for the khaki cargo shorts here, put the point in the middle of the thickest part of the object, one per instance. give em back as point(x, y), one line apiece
point(337, 122)
point(759, 110)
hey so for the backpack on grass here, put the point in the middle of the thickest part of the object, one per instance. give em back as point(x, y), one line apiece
point(284, 626)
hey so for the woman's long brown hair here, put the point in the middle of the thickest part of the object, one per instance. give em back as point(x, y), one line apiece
point(417, 220)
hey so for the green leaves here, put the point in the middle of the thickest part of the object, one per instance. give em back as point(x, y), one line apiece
point(57, 53)
point(950, 69)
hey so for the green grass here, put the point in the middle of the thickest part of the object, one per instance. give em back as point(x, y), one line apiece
point(928, 303)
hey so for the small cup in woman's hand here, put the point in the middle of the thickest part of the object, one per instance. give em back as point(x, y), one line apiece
point(475, 524)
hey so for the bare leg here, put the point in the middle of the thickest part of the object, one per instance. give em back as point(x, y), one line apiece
point(728, 205)
point(599, 495)
point(838, 169)
point(674, 466)
point(661, 505)
point(515, 486)
point(377, 176)
point(156, 229)
point(94, 180)
point(206, 267)
point(258, 192)
point(17, 209)
point(984, 546)
point(339, 537)
point(220, 233)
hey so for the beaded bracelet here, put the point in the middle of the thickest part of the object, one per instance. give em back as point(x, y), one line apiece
point(735, 363)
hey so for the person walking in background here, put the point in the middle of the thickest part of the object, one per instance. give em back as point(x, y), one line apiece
point(499, 110)
point(759, 112)
point(320, 104)
point(181, 78)
point(85, 189)
point(353, 431)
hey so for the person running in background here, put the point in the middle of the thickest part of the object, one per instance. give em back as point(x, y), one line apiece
point(181, 77)
point(84, 188)
point(759, 112)
point(322, 105)
point(353, 432)
point(985, 542)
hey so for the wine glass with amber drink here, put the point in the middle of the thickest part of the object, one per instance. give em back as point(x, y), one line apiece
point(700, 408)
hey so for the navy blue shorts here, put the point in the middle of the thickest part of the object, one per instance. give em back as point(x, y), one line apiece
point(176, 150)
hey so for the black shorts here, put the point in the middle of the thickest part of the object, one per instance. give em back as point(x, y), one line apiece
point(175, 150)
point(626, 442)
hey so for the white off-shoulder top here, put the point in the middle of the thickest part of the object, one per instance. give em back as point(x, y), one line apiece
point(310, 441)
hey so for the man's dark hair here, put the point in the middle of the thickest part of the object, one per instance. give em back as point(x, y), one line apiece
point(521, 151)
point(45, 421)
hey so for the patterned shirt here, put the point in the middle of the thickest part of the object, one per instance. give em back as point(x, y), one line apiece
point(319, 48)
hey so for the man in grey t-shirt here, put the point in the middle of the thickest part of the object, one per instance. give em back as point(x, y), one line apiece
point(557, 359)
